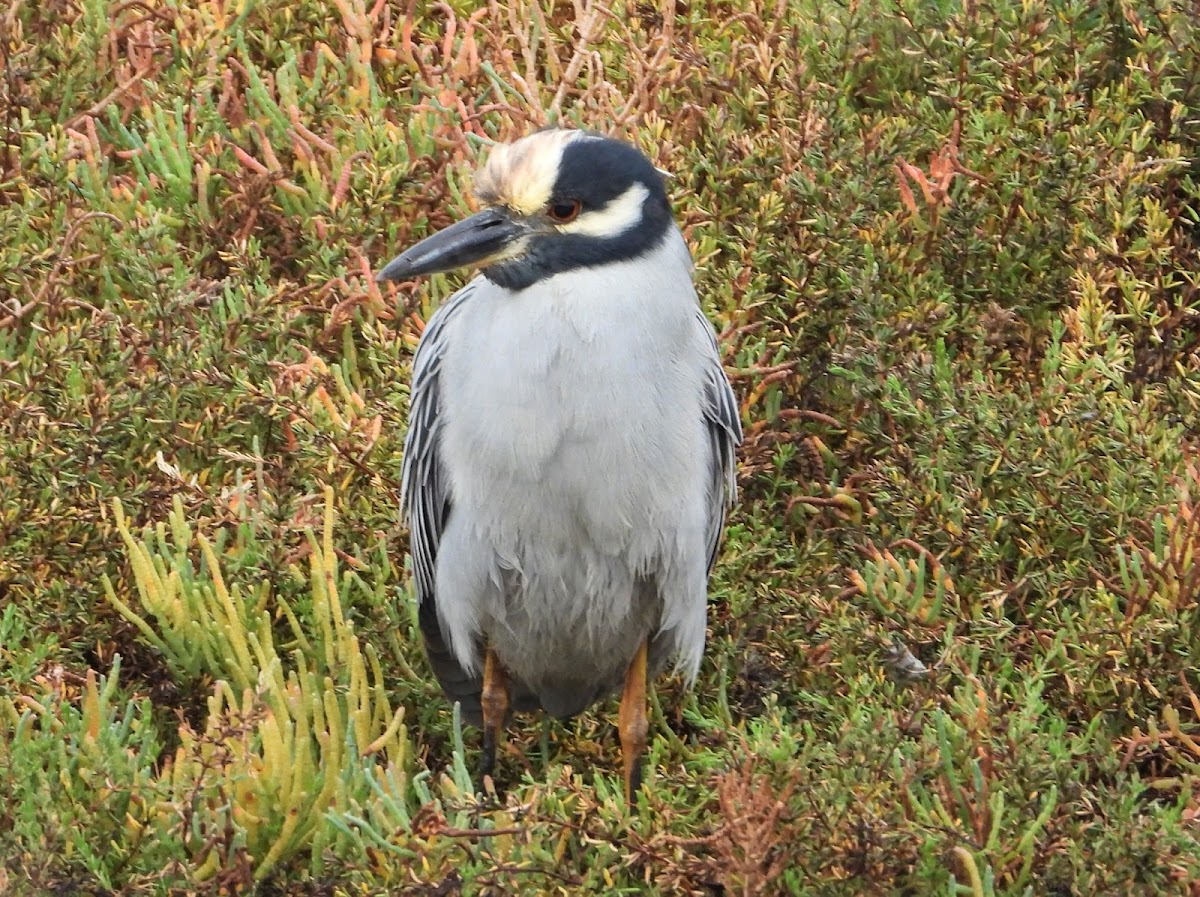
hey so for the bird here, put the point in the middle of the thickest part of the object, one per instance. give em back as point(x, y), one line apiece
point(571, 446)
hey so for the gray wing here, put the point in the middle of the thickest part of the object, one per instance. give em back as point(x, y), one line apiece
point(425, 499)
point(725, 434)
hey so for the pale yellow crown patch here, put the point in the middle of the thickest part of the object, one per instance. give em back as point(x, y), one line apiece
point(521, 174)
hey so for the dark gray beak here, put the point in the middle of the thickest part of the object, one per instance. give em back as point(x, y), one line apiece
point(480, 238)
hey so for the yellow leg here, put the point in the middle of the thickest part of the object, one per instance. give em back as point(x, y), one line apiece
point(633, 725)
point(494, 703)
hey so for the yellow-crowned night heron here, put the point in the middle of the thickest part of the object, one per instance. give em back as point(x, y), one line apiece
point(571, 441)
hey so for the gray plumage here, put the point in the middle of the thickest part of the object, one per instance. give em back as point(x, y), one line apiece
point(568, 462)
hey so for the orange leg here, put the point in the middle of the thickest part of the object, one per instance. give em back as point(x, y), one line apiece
point(494, 703)
point(633, 725)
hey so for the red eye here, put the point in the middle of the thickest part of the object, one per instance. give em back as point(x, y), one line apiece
point(564, 211)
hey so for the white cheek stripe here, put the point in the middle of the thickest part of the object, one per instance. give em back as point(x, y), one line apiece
point(618, 216)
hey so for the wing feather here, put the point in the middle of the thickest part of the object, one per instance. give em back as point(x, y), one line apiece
point(725, 434)
point(425, 499)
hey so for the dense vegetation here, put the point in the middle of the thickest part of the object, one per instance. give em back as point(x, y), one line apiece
point(954, 253)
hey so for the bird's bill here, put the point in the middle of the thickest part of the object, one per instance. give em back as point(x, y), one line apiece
point(489, 236)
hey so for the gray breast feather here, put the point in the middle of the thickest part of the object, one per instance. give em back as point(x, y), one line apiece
point(427, 503)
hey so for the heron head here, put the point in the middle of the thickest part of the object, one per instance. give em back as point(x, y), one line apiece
point(555, 201)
